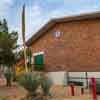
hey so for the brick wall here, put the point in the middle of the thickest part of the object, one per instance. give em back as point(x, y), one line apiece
point(78, 48)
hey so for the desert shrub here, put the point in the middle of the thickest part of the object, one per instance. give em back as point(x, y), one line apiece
point(29, 82)
point(46, 85)
point(37, 85)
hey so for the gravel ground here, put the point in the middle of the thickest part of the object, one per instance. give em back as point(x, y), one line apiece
point(58, 93)
point(64, 93)
point(15, 92)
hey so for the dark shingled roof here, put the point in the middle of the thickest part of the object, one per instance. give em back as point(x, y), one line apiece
point(51, 23)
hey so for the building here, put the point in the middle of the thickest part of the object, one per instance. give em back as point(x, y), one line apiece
point(70, 44)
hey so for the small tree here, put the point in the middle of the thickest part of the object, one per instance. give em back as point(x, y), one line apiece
point(8, 43)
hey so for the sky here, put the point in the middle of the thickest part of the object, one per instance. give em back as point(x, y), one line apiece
point(39, 12)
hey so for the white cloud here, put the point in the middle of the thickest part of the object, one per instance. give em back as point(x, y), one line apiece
point(33, 11)
point(6, 4)
point(5, 7)
point(56, 1)
point(35, 17)
point(36, 10)
point(33, 21)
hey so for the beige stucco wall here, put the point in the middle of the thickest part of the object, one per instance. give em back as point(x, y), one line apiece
point(60, 78)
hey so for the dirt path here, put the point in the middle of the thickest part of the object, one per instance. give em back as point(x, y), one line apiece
point(64, 93)
point(58, 93)
point(74, 98)
point(11, 93)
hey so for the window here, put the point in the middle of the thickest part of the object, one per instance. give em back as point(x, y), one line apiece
point(57, 34)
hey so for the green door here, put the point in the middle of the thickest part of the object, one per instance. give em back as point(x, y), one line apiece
point(39, 62)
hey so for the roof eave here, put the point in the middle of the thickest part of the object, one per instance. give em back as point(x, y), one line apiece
point(39, 33)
